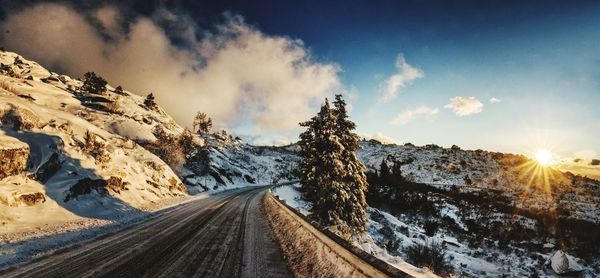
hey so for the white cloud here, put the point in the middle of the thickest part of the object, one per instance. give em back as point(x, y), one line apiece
point(236, 74)
point(406, 75)
point(410, 114)
point(463, 106)
point(495, 100)
point(379, 137)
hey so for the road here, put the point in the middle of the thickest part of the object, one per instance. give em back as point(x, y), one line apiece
point(225, 235)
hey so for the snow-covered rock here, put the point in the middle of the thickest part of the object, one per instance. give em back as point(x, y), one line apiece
point(562, 263)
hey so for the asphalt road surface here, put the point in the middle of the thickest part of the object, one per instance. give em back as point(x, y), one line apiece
point(225, 235)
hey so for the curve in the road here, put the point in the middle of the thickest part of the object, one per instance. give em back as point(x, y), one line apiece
point(222, 236)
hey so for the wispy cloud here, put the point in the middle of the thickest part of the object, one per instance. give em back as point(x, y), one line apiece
point(405, 75)
point(494, 100)
point(464, 106)
point(410, 114)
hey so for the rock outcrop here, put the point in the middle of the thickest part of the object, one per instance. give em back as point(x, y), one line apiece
point(13, 157)
point(104, 187)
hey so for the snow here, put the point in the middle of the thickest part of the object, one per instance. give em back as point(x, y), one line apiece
point(291, 195)
point(60, 120)
point(131, 129)
point(466, 260)
point(562, 263)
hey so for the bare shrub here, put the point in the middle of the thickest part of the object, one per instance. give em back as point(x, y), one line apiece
point(94, 148)
point(167, 147)
point(187, 141)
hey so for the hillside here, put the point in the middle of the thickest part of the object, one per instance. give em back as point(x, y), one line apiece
point(72, 159)
point(492, 214)
point(512, 176)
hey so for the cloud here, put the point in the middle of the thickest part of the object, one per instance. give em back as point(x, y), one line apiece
point(406, 75)
point(109, 18)
point(494, 100)
point(235, 73)
point(379, 137)
point(463, 106)
point(408, 115)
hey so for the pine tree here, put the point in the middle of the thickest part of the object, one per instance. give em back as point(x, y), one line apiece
point(202, 123)
point(354, 177)
point(384, 173)
point(93, 84)
point(332, 178)
point(119, 91)
point(149, 102)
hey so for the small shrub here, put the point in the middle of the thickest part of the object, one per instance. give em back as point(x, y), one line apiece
point(431, 227)
point(390, 241)
point(431, 255)
point(94, 148)
point(119, 91)
point(167, 147)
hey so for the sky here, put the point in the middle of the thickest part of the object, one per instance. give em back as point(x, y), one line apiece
point(511, 76)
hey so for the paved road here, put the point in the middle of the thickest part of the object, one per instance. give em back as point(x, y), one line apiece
point(222, 236)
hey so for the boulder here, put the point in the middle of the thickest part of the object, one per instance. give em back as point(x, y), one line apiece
point(18, 118)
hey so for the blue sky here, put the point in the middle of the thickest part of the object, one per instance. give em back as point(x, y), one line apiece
point(541, 59)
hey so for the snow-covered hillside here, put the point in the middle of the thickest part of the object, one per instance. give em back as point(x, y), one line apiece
point(514, 176)
point(66, 177)
point(77, 157)
point(490, 212)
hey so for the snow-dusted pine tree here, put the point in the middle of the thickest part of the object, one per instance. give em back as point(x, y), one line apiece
point(353, 178)
point(332, 178)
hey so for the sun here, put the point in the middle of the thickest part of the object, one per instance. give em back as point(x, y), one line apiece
point(544, 157)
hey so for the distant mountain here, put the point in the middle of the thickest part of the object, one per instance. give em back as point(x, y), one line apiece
point(512, 176)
